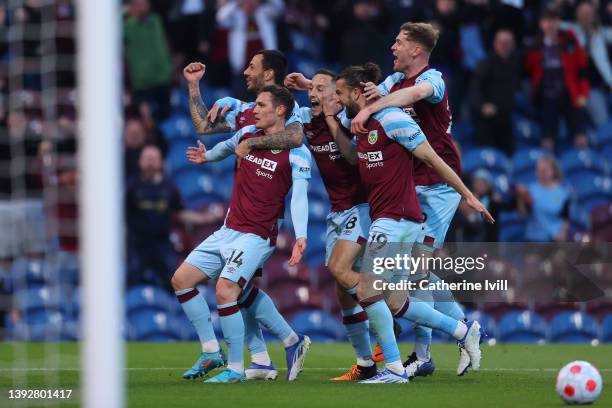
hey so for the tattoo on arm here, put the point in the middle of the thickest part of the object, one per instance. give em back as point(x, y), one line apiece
point(289, 138)
point(199, 116)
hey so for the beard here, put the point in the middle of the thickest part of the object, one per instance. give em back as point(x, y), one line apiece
point(352, 109)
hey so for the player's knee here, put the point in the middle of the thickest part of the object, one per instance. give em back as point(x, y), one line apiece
point(337, 267)
point(177, 282)
point(226, 291)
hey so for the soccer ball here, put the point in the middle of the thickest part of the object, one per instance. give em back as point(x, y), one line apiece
point(579, 383)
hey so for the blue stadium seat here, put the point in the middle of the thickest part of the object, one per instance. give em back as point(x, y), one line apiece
point(49, 325)
point(593, 191)
point(179, 100)
point(178, 126)
point(150, 298)
point(27, 272)
point(522, 327)
point(304, 45)
point(39, 298)
point(511, 227)
point(463, 132)
point(578, 165)
point(488, 158)
point(501, 184)
point(522, 99)
point(604, 135)
point(579, 217)
point(319, 326)
point(316, 189)
point(486, 322)
point(213, 93)
point(151, 324)
point(573, 327)
point(524, 164)
point(606, 329)
point(198, 188)
point(222, 167)
point(176, 159)
point(316, 238)
point(318, 210)
point(526, 131)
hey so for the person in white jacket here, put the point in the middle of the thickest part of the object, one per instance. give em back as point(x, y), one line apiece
point(594, 38)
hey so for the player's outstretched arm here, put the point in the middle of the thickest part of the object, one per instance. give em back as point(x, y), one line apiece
point(193, 73)
point(299, 217)
point(400, 98)
point(426, 153)
point(297, 81)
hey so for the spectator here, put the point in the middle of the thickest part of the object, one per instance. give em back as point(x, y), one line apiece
point(148, 58)
point(555, 66)
point(595, 39)
point(470, 226)
point(135, 139)
point(152, 201)
point(191, 28)
point(252, 27)
point(546, 204)
point(492, 89)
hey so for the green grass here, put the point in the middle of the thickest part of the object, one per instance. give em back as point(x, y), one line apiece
point(511, 376)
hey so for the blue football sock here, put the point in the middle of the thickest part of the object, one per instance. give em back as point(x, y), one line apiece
point(381, 322)
point(266, 313)
point(198, 313)
point(233, 332)
point(444, 301)
point(355, 322)
point(252, 332)
point(422, 313)
point(422, 340)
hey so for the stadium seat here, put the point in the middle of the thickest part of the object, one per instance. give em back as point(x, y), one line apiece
point(522, 327)
point(176, 160)
point(320, 326)
point(178, 126)
point(511, 227)
point(524, 164)
point(606, 329)
point(223, 167)
point(179, 100)
point(276, 271)
point(578, 165)
point(316, 238)
point(151, 324)
point(579, 217)
point(568, 327)
point(592, 192)
point(463, 132)
point(292, 297)
point(488, 158)
point(550, 310)
point(526, 132)
point(27, 272)
point(49, 325)
point(39, 298)
point(604, 135)
point(318, 210)
point(214, 93)
point(498, 309)
point(146, 297)
point(197, 188)
point(316, 189)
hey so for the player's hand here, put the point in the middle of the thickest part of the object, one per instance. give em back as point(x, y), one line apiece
point(213, 114)
point(242, 150)
point(331, 107)
point(194, 72)
point(359, 121)
point(370, 90)
point(477, 206)
point(196, 154)
point(297, 81)
point(298, 251)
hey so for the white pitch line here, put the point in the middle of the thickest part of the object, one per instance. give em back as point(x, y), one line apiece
point(496, 369)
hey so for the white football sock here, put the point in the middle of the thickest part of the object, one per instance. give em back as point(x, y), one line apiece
point(262, 358)
point(210, 346)
point(291, 339)
point(365, 362)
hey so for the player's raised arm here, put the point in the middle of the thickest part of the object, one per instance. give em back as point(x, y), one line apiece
point(341, 136)
point(193, 73)
point(288, 138)
point(301, 163)
point(297, 81)
point(402, 97)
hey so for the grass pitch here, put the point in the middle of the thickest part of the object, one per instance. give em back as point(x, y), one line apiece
point(511, 376)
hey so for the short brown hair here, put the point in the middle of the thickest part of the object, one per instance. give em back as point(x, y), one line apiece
point(423, 33)
point(281, 96)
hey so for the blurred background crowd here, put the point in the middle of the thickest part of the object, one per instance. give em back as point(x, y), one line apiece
point(529, 82)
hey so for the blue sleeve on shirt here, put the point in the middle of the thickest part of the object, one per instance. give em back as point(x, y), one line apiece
point(385, 86)
point(295, 117)
point(227, 147)
point(400, 127)
point(434, 77)
point(344, 120)
point(301, 163)
point(299, 208)
point(305, 115)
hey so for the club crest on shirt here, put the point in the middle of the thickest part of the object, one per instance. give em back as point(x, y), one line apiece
point(241, 119)
point(276, 151)
point(309, 134)
point(372, 137)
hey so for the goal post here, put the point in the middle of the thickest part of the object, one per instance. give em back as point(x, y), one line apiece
point(101, 210)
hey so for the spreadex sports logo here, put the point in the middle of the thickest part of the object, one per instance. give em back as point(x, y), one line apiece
point(373, 159)
point(326, 148)
point(265, 164)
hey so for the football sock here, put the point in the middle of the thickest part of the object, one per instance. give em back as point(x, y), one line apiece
point(422, 350)
point(261, 358)
point(198, 313)
point(355, 322)
point(233, 332)
point(264, 310)
point(381, 322)
point(445, 301)
point(252, 331)
point(423, 314)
